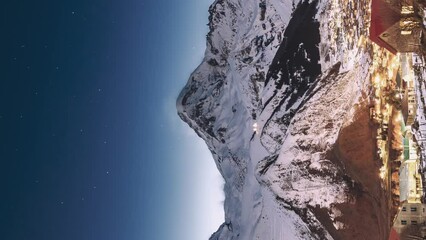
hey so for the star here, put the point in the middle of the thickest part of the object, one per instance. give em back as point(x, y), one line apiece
point(107, 172)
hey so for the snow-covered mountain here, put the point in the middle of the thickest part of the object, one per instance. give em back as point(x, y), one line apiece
point(281, 99)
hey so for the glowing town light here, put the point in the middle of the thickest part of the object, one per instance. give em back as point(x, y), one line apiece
point(398, 117)
point(397, 95)
point(377, 79)
point(377, 93)
point(406, 32)
point(382, 172)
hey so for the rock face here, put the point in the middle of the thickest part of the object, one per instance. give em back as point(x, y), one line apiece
point(299, 71)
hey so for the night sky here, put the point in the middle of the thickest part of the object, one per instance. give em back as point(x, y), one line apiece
point(90, 143)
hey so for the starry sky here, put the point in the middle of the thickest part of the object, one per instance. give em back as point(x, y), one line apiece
point(91, 146)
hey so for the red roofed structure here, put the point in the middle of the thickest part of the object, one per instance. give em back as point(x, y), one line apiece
point(383, 17)
point(396, 26)
point(393, 235)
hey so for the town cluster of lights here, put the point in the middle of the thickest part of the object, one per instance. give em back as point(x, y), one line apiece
point(383, 70)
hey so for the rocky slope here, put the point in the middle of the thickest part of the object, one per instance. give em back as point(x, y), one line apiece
point(282, 87)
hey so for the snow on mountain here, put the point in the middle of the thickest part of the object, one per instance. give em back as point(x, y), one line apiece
point(297, 72)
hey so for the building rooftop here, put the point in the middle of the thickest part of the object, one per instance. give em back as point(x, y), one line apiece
point(393, 30)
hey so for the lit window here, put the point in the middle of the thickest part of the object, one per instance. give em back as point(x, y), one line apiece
point(413, 209)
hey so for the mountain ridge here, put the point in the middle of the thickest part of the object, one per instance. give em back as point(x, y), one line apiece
point(262, 76)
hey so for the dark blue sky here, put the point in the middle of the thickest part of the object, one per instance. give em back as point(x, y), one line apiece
point(90, 144)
